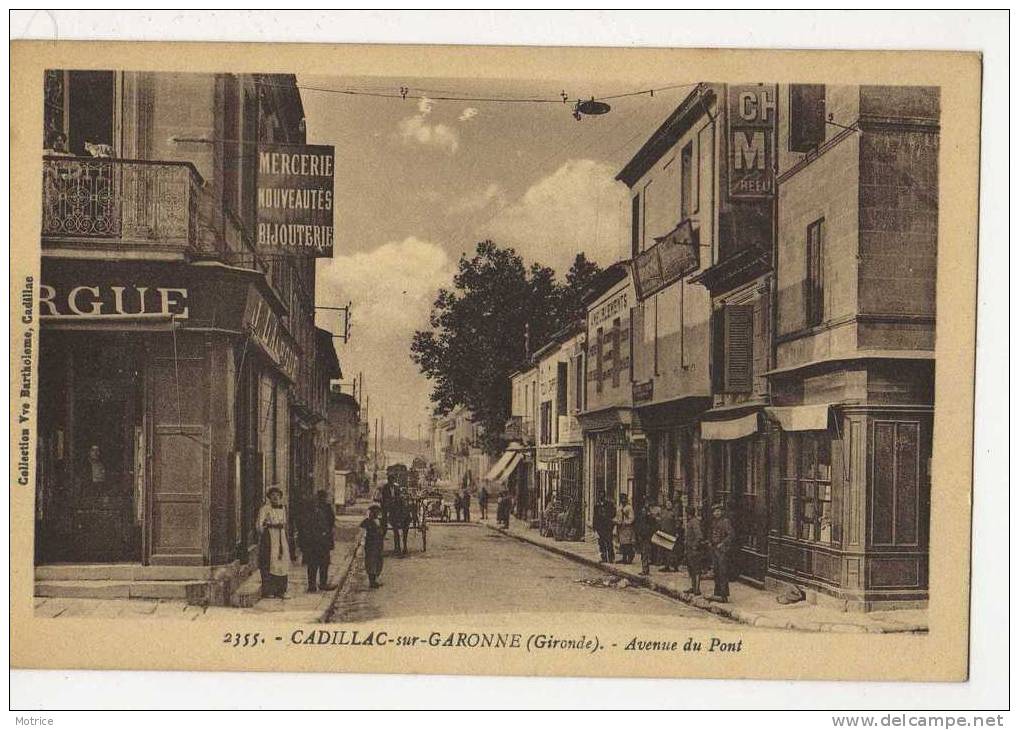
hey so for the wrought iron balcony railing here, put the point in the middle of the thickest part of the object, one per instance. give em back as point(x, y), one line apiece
point(129, 203)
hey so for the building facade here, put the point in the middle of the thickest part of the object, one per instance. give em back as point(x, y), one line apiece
point(519, 474)
point(463, 461)
point(853, 378)
point(179, 372)
point(560, 368)
point(615, 448)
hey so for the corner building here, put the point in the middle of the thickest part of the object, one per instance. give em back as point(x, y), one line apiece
point(180, 375)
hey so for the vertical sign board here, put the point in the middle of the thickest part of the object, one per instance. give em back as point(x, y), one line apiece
point(751, 118)
point(295, 199)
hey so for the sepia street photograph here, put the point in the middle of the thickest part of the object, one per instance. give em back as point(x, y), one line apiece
point(505, 361)
point(666, 352)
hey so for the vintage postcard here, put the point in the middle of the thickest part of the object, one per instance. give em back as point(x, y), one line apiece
point(475, 360)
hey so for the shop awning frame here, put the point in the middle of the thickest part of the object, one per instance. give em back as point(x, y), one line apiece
point(515, 458)
point(499, 465)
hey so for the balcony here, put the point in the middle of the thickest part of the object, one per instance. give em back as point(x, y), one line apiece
point(98, 204)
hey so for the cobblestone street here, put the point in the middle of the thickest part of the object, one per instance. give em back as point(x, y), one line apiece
point(473, 570)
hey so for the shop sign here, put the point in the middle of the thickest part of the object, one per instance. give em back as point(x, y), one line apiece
point(644, 391)
point(673, 256)
point(616, 306)
point(295, 199)
point(751, 121)
point(110, 300)
point(266, 330)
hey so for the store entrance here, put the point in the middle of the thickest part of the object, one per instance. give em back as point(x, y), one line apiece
point(92, 452)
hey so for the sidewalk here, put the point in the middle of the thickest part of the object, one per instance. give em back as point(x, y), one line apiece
point(301, 607)
point(746, 605)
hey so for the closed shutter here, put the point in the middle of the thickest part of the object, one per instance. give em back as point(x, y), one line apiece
point(717, 350)
point(806, 116)
point(739, 332)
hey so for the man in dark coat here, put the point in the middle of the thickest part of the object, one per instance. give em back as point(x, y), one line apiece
point(645, 527)
point(604, 521)
point(399, 520)
point(465, 501)
point(671, 523)
point(483, 503)
point(316, 537)
point(372, 539)
point(722, 536)
point(693, 546)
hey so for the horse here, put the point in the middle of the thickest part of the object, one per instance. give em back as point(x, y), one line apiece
point(399, 519)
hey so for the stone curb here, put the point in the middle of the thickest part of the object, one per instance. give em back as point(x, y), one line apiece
point(733, 613)
point(341, 583)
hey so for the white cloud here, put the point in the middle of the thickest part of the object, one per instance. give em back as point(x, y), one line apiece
point(467, 114)
point(417, 129)
point(491, 196)
point(391, 287)
point(391, 290)
point(579, 207)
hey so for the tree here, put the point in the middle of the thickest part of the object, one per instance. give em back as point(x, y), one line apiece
point(481, 328)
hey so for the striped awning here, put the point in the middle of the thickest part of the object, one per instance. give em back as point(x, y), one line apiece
point(499, 466)
point(511, 465)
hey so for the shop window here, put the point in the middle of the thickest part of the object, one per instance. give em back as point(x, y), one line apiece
point(814, 295)
point(896, 483)
point(806, 481)
point(806, 116)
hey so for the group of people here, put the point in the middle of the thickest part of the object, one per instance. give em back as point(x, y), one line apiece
point(315, 538)
point(679, 540)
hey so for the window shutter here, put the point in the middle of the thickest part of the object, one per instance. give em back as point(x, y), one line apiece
point(717, 350)
point(739, 333)
point(806, 116)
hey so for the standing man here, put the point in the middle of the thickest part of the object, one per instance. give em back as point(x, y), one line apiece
point(388, 493)
point(604, 520)
point(672, 524)
point(466, 501)
point(372, 535)
point(483, 502)
point(316, 534)
point(693, 543)
point(721, 542)
point(645, 528)
point(624, 529)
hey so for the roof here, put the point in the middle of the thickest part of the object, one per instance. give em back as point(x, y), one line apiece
point(606, 280)
point(677, 124)
point(571, 330)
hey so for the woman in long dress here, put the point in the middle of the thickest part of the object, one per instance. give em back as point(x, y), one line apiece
point(274, 545)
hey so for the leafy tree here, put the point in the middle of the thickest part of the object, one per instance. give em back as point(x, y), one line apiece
point(482, 327)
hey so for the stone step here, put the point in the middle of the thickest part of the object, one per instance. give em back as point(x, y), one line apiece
point(194, 592)
point(122, 572)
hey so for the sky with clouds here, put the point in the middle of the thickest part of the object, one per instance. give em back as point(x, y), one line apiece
point(420, 181)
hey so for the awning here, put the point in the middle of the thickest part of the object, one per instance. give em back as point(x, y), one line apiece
point(502, 476)
point(500, 465)
point(730, 430)
point(800, 418)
